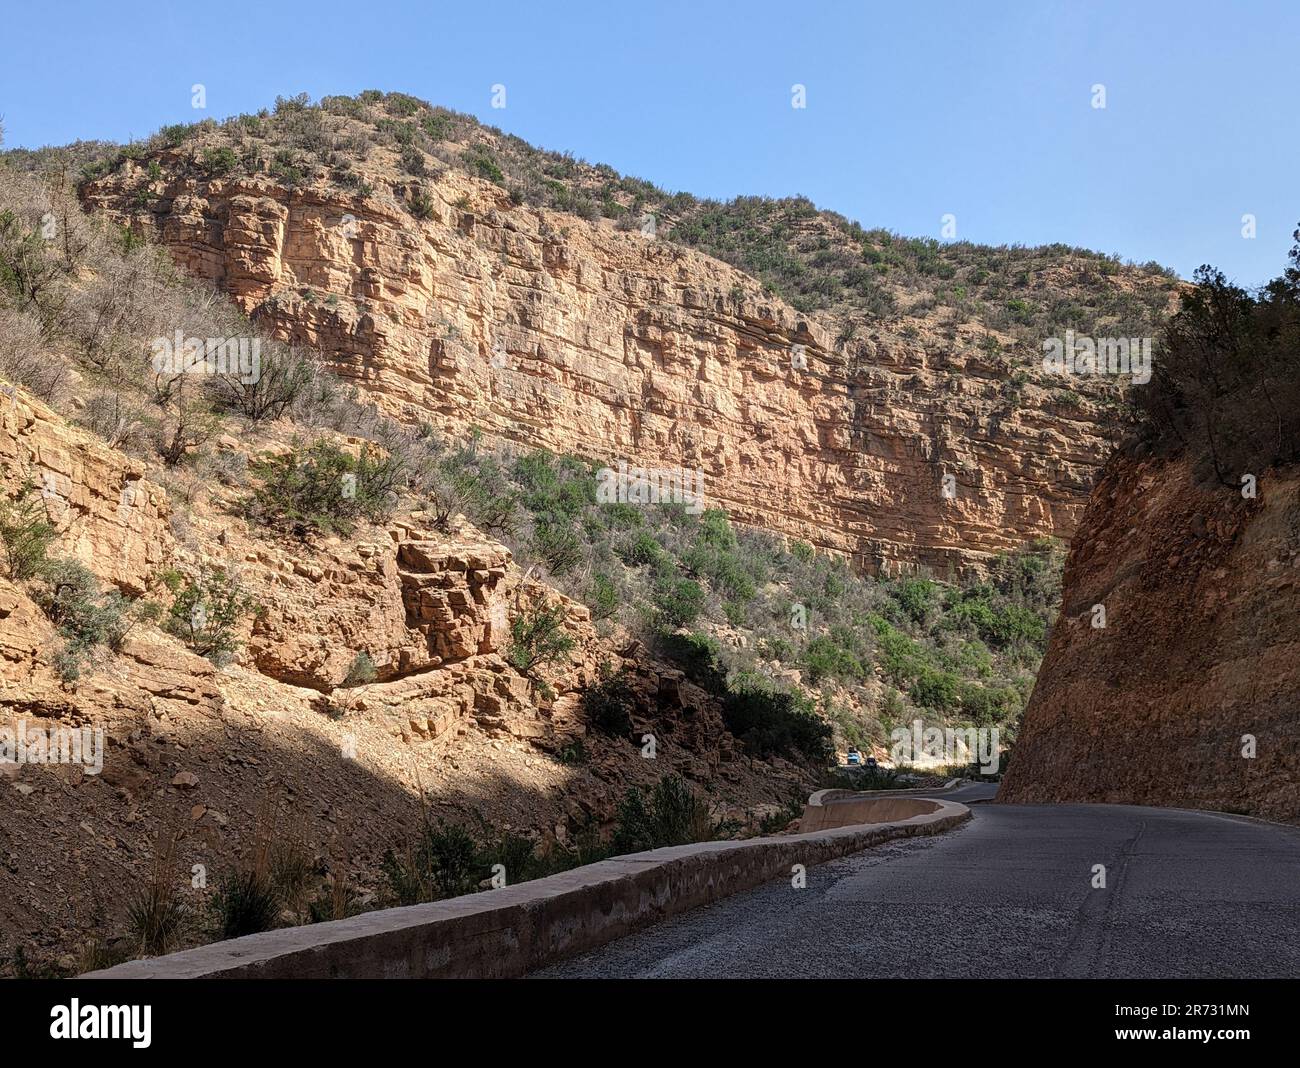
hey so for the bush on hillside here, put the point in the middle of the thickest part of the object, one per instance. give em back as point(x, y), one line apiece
point(323, 489)
point(25, 532)
point(1227, 386)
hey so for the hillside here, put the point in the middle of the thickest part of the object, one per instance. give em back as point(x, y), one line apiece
point(826, 380)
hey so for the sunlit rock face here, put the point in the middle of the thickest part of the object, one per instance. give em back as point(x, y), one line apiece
point(906, 447)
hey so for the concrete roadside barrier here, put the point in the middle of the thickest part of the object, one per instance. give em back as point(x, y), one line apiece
point(513, 930)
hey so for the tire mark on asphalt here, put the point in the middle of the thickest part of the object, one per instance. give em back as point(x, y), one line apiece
point(1094, 923)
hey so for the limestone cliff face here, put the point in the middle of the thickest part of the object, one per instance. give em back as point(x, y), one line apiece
point(544, 329)
point(1201, 648)
point(108, 515)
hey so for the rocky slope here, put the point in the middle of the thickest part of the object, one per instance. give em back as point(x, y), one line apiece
point(198, 750)
point(452, 302)
point(1187, 696)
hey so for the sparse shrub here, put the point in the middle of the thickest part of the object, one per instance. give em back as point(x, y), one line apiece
point(361, 672)
point(187, 420)
point(413, 162)
point(157, 912)
point(537, 636)
point(672, 815)
point(116, 418)
point(291, 870)
point(284, 376)
point(25, 359)
point(337, 900)
point(25, 532)
point(572, 753)
point(557, 542)
point(422, 206)
point(87, 618)
point(322, 489)
point(206, 610)
point(608, 704)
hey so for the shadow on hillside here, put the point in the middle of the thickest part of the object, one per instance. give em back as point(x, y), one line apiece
point(76, 849)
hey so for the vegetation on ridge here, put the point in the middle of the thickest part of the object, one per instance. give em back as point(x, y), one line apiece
point(1229, 387)
point(817, 260)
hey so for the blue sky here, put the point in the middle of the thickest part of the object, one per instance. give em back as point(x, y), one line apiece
point(914, 109)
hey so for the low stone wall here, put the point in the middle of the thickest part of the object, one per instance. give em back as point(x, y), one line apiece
point(853, 810)
point(509, 932)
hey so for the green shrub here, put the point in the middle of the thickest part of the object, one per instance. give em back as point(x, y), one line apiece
point(641, 548)
point(915, 599)
point(440, 863)
point(802, 551)
point(219, 161)
point(824, 658)
point(438, 127)
point(552, 485)
point(480, 161)
point(602, 596)
point(322, 489)
point(71, 598)
point(677, 602)
point(989, 705)
point(619, 516)
point(771, 721)
point(735, 613)
point(244, 903)
point(25, 532)
point(206, 610)
point(937, 690)
point(537, 636)
point(672, 815)
point(422, 206)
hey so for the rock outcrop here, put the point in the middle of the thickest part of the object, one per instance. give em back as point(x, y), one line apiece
point(546, 330)
point(108, 515)
point(1188, 695)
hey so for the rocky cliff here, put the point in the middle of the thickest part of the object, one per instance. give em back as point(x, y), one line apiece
point(452, 304)
point(1187, 695)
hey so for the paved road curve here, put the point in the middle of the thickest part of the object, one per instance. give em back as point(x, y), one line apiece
point(1008, 894)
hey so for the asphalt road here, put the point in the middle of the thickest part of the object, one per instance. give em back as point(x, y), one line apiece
point(1008, 894)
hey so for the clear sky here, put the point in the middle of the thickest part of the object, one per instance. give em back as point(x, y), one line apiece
point(915, 109)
